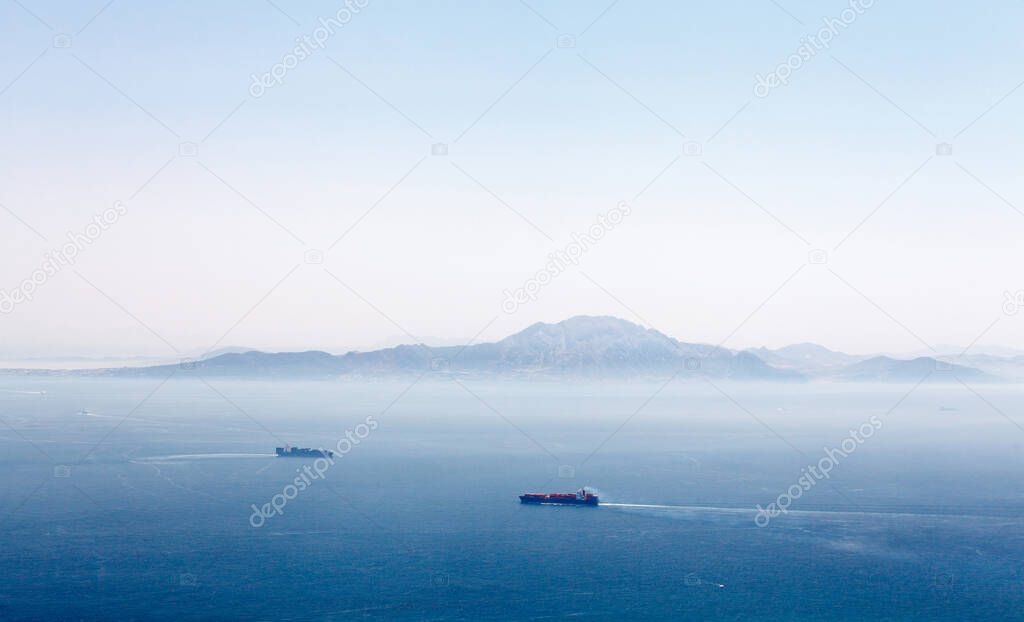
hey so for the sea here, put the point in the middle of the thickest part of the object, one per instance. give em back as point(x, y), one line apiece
point(162, 499)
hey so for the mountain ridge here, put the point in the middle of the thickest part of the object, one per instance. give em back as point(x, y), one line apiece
point(578, 347)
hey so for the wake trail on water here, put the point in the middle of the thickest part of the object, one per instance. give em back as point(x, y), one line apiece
point(190, 457)
point(807, 513)
point(705, 508)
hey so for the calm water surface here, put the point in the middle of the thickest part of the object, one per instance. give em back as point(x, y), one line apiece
point(132, 500)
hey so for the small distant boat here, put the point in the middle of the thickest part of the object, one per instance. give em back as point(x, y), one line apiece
point(302, 452)
point(580, 497)
point(85, 411)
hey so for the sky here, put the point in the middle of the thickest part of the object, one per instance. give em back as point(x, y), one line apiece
point(423, 163)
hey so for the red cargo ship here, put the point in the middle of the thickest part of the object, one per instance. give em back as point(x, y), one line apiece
point(580, 497)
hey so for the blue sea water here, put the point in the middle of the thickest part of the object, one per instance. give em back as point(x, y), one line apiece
point(132, 500)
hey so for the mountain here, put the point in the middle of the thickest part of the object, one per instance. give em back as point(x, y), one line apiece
point(582, 346)
point(226, 350)
point(1010, 368)
point(579, 347)
point(886, 369)
point(599, 346)
point(807, 358)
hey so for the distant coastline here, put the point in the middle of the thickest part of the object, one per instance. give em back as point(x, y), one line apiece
point(585, 347)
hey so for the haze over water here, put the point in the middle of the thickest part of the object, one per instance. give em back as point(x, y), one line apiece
point(136, 512)
point(363, 225)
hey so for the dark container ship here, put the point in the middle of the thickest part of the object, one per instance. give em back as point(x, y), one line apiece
point(580, 497)
point(303, 452)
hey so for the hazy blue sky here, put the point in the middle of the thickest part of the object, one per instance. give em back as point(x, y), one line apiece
point(541, 139)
